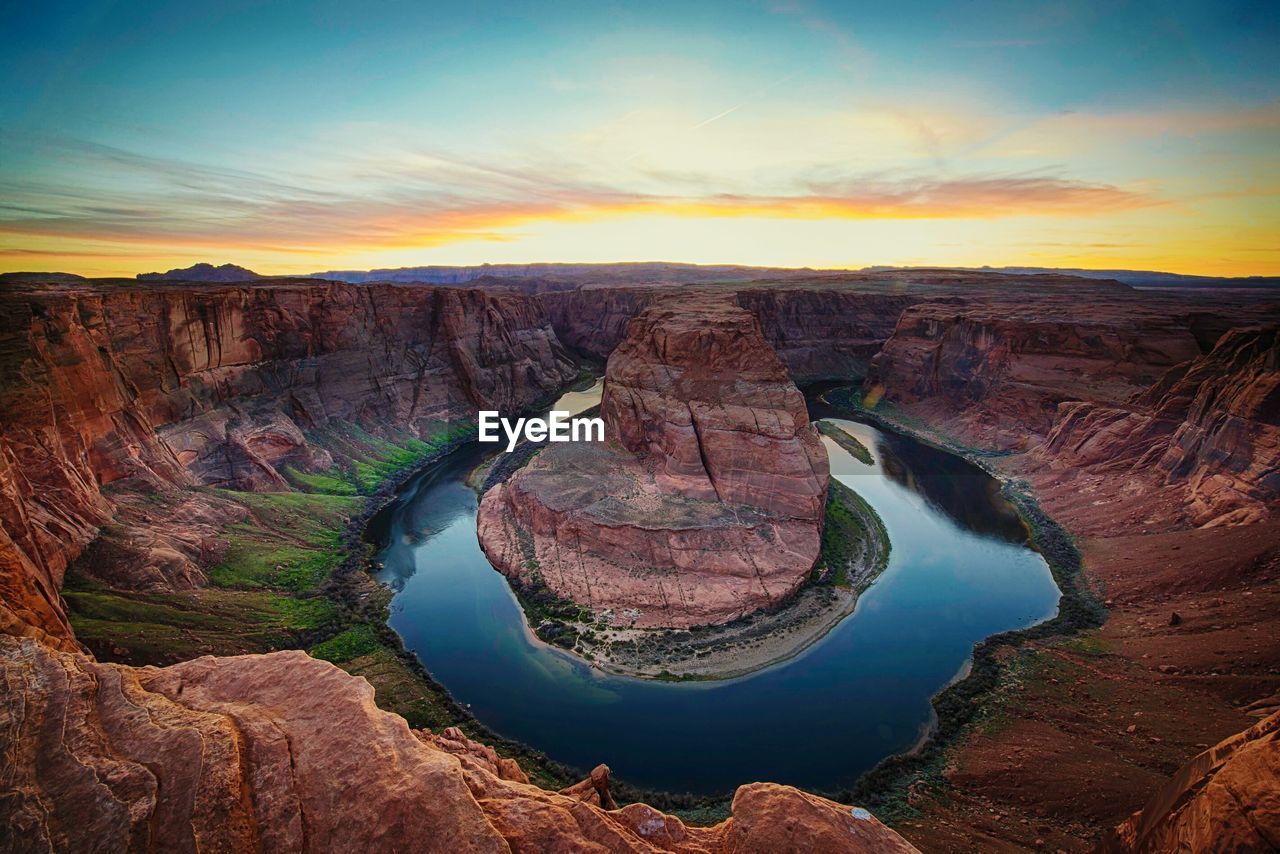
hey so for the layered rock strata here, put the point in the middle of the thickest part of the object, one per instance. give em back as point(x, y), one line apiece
point(995, 372)
point(706, 502)
point(282, 752)
point(173, 385)
point(1210, 427)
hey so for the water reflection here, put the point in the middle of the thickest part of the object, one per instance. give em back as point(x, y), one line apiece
point(951, 485)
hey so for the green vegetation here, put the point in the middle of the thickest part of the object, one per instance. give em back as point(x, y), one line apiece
point(364, 462)
point(288, 541)
point(162, 628)
point(852, 528)
point(844, 439)
point(352, 643)
point(333, 482)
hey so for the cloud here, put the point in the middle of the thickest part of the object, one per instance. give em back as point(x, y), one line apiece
point(120, 198)
point(1073, 133)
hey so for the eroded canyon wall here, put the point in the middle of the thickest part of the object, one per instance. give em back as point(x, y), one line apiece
point(994, 372)
point(1210, 428)
point(820, 333)
point(825, 333)
point(1137, 403)
point(174, 385)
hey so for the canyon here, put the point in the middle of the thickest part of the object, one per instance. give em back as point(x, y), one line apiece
point(1149, 427)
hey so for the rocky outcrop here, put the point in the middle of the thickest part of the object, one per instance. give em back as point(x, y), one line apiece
point(1224, 799)
point(696, 390)
point(994, 372)
point(1210, 428)
point(707, 502)
point(283, 752)
point(172, 385)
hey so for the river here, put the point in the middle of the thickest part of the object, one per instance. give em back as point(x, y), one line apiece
point(960, 570)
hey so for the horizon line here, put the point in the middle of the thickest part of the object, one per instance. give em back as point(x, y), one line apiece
point(866, 268)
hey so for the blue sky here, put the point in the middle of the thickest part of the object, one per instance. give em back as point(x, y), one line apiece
point(299, 136)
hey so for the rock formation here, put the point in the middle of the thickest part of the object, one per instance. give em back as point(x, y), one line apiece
point(282, 752)
point(1224, 799)
point(1211, 426)
point(225, 386)
point(994, 372)
point(707, 502)
point(1153, 414)
point(203, 273)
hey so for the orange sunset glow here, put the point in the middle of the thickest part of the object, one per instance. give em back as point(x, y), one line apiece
point(808, 137)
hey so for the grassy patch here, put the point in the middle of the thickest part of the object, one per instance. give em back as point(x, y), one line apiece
point(289, 541)
point(162, 628)
point(349, 644)
point(332, 482)
point(852, 527)
point(363, 461)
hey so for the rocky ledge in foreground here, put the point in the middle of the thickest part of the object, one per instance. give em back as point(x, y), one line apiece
point(706, 501)
point(283, 752)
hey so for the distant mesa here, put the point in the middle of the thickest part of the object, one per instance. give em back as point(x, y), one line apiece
point(1132, 278)
point(202, 273)
point(29, 278)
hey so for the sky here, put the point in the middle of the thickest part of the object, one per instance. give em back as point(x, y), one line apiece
point(293, 137)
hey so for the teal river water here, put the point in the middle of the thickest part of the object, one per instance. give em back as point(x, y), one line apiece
point(960, 570)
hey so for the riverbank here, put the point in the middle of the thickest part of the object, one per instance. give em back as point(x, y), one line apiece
point(974, 695)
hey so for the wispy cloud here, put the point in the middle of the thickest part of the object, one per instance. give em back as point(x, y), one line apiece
point(433, 198)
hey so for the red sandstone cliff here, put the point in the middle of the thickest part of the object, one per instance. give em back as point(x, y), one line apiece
point(708, 502)
point(695, 388)
point(221, 385)
point(820, 333)
point(1138, 405)
point(1210, 427)
point(1224, 799)
point(593, 320)
point(994, 372)
point(283, 752)
point(825, 333)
